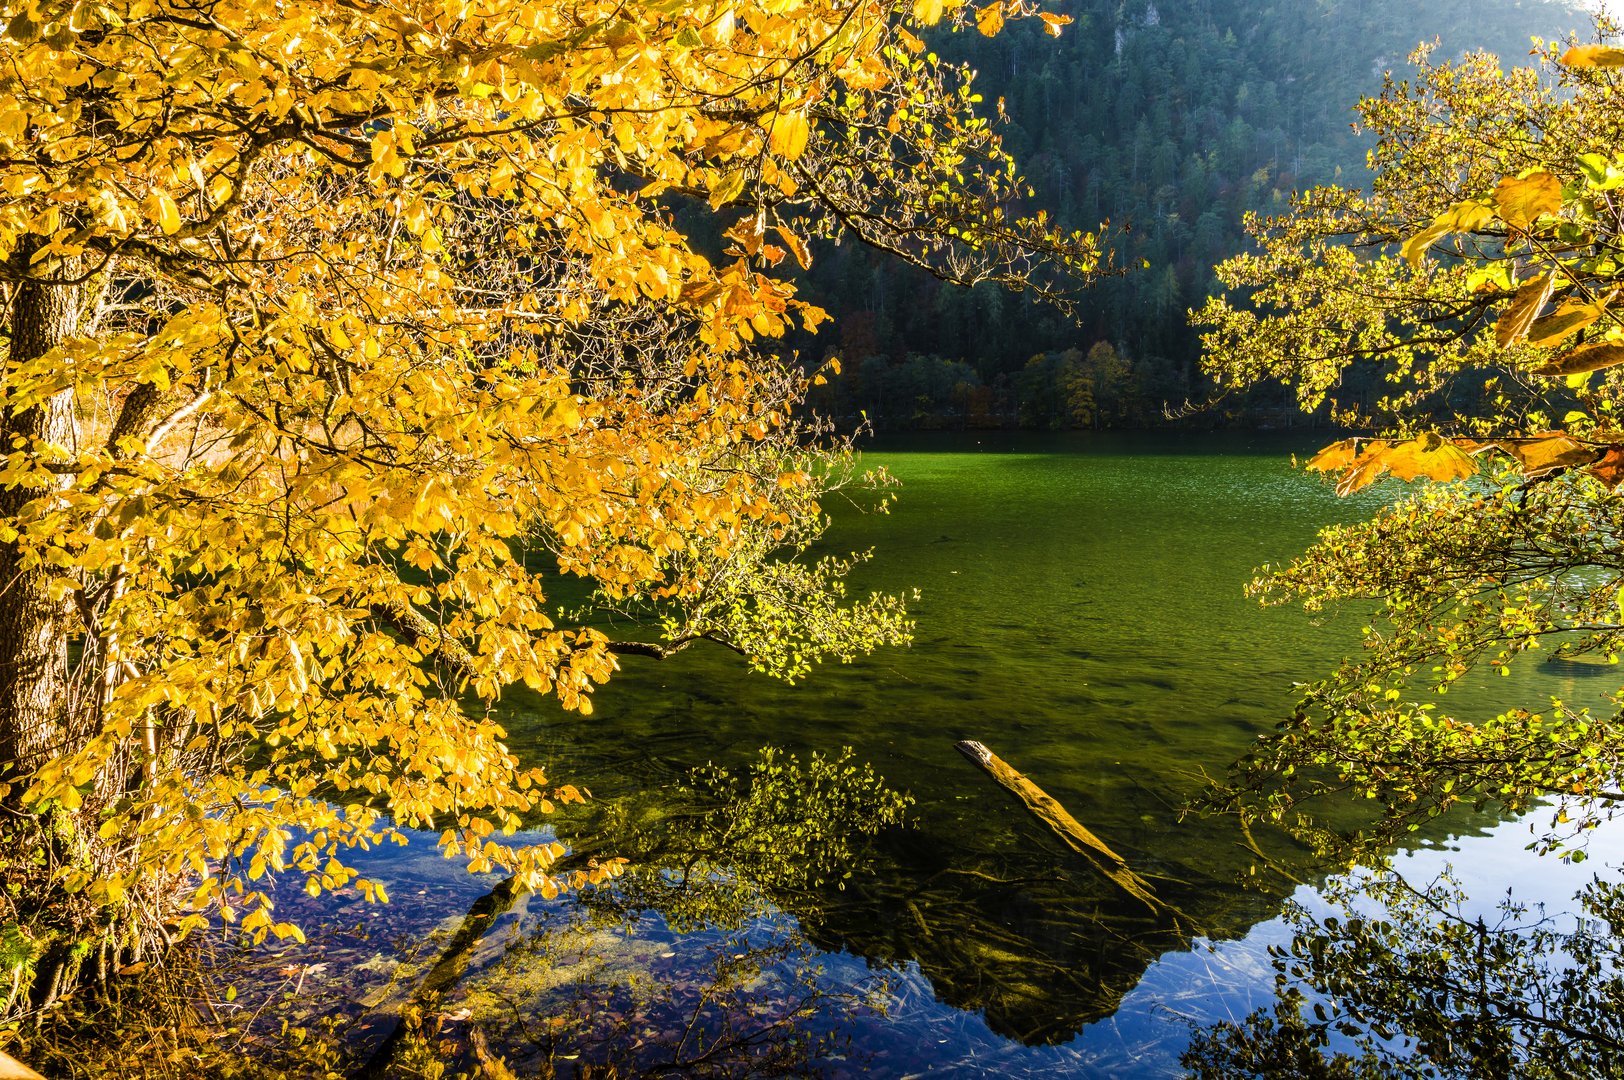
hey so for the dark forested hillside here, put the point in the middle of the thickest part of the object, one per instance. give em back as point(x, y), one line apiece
point(1170, 119)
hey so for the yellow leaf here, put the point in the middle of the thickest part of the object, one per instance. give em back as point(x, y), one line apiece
point(1522, 199)
point(727, 187)
point(1592, 357)
point(1609, 468)
point(1515, 321)
point(1339, 455)
point(1415, 248)
point(1593, 56)
point(1462, 217)
point(720, 30)
point(796, 245)
point(1430, 456)
point(1365, 469)
point(1052, 22)
point(789, 134)
point(1545, 453)
point(928, 12)
point(161, 210)
point(990, 19)
point(1568, 319)
point(1468, 216)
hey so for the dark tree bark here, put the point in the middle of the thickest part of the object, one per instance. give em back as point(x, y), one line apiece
point(34, 629)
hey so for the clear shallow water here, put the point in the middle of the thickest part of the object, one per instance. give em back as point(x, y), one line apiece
point(1082, 614)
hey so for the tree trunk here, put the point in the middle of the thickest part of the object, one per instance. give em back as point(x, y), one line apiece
point(34, 629)
point(451, 965)
point(1043, 806)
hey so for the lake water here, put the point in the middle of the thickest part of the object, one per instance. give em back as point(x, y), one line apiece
point(1081, 613)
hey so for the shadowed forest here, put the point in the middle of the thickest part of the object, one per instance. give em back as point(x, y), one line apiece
point(1170, 120)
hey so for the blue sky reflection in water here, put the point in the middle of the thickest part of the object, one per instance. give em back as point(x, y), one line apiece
point(1082, 614)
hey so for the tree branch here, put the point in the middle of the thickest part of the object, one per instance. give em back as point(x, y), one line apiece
point(430, 639)
point(657, 651)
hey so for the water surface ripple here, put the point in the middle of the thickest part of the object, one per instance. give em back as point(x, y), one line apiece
point(1081, 612)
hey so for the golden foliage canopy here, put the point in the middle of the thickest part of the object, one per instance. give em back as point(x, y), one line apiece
point(339, 330)
point(1465, 308)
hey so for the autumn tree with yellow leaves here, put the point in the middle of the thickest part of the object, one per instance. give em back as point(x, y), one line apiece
point(1481, 278)
point(338, 332)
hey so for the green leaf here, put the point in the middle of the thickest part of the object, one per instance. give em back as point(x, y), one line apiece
point(1599, 172)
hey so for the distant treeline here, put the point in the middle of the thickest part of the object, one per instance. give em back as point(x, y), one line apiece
point(1067, 389)
point(1172, 119)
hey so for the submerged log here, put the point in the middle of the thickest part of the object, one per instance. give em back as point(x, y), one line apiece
point(450, 966)
point(1044, 807)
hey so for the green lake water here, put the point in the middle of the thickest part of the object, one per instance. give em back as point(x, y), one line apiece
point(1081, 612)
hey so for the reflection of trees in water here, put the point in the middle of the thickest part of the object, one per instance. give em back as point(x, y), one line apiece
point(1030, 935)
point(1026, 935)
point(712, 852)
point(573, 986)
point(688, 963)
point(1036, 944)
point(1404, 983)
